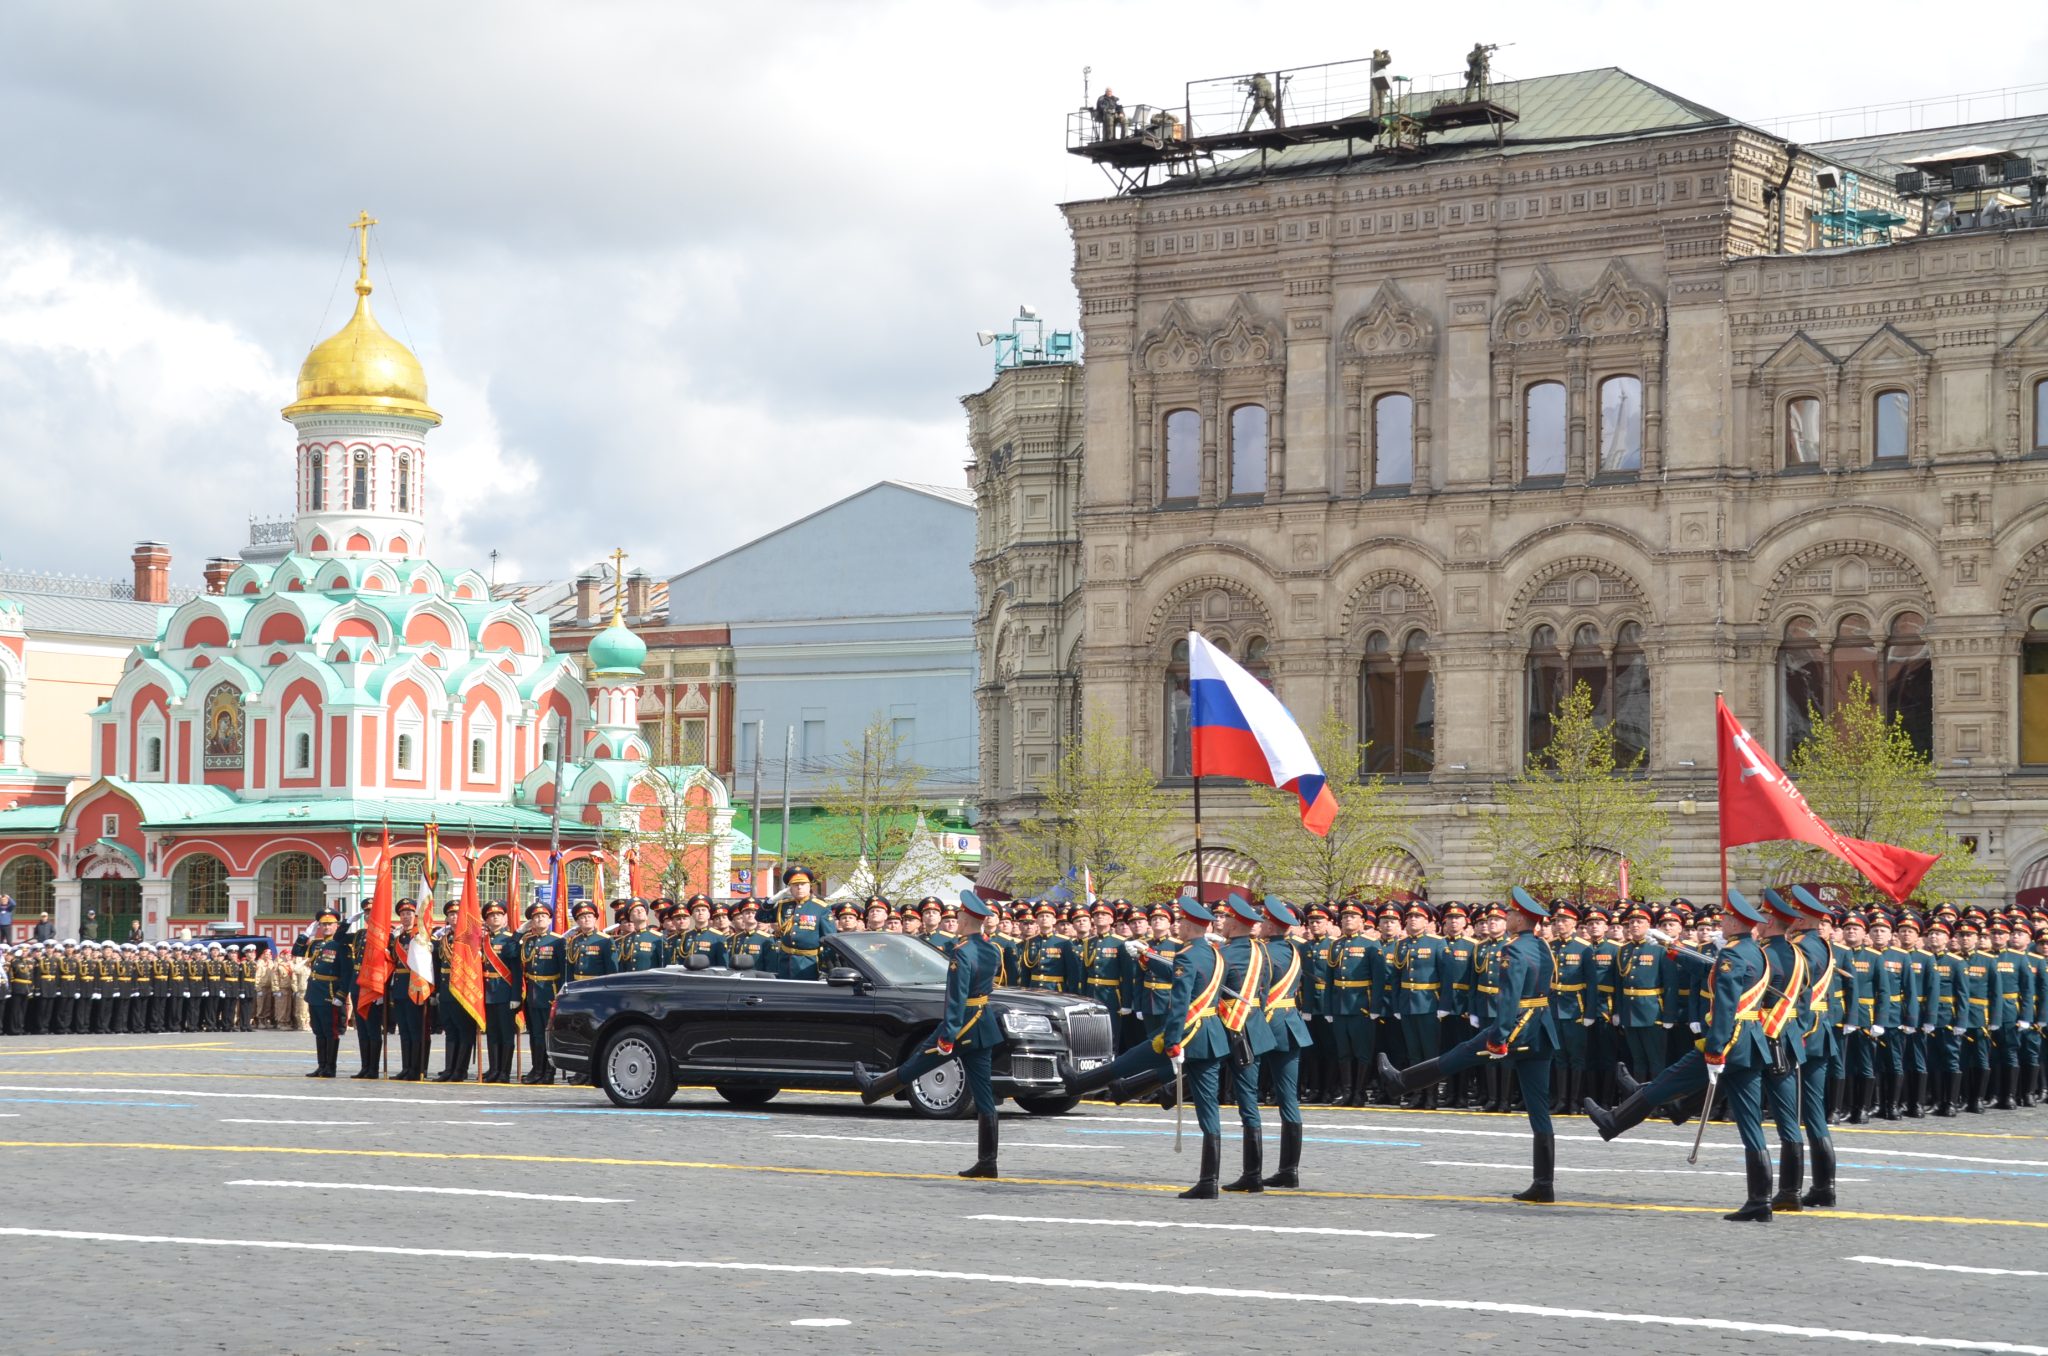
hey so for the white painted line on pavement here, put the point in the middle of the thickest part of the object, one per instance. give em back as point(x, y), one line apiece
point(1183, 1224)
point(432, 1191)
point(821, 1323)
point(949, 1143)
point(497, 1123)
point(268, 1096)
point(1627, 1172)
point(260, 1120)
point(1044, 1282)
point(1941, 1266)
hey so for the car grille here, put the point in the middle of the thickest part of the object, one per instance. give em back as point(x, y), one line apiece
point(1034, 1069)
point(1089, 1036)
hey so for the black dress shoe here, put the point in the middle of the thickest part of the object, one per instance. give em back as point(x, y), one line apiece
point(366, 1073)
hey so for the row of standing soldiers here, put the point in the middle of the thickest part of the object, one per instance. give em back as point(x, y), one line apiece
point(107, 988)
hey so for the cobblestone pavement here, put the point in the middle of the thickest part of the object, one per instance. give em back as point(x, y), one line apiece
point(194, 1193)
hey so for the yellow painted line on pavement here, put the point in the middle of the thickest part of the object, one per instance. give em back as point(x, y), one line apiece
point(94, 1049)
point(574, 1160)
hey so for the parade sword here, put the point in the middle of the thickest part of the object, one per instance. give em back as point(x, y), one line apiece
point(1180, 1102)
point(1706, 1114)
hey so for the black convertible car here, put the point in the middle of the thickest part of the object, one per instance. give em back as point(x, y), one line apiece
point(750, 1034)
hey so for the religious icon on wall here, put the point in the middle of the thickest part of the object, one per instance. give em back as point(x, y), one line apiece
point(224, 727)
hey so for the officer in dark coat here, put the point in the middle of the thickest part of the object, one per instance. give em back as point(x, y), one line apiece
point(502, 991)
point(1518, 1028)
point(965, 1031)
point(543, 970)
point(801, 927)
point(751, 945)
point(701, 938)
point(370, 1022)
point(1286, 966)
point(1242, 1010)
point(641, 947)
point(330, 988)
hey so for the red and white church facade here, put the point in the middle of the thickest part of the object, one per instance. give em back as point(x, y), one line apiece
point(252, 757)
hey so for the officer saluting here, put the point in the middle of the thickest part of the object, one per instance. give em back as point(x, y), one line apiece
point(330, 986)
point(544, 969)
point(970, 978)
point(801, 926)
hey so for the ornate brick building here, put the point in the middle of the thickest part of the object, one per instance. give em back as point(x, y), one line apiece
point(1424, 434)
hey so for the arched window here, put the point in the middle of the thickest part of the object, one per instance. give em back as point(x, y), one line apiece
point(405, 878)
point(404, 483)
point(1254, 659)
point(1183, 456)
point(1248, 451)
point(1543, 431)
point(494, 881)
point(32, 884)
point(581, 875)
point(407, 753)
point(1631, 702)
point(1855, 655)
point(316, 480)
point(199, 886)
point(153, 756)
point(1909, 680)
point(1888, 425)
point(292, 885)
point(1393, 442)
point(1802, 432)
point(1589, 665)
point(1621, 425)
point(479, 756)
point(2034, 689)
point(1546, 686)
point(359, 482)
point(1178, 711)
point(2041, 415)
point(1802, 683)
point(1397, 707)
point(302, 752)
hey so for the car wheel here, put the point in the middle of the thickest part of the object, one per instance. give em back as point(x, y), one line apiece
point(748, 1096)
point(634, 1069)
point(1048, 1106)
point(941, 1093)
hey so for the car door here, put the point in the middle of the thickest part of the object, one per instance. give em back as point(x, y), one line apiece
point(695, 1014)
point(801, 1024)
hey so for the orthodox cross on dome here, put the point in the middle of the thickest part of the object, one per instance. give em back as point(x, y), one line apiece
point(361, 226)
point(618, 559)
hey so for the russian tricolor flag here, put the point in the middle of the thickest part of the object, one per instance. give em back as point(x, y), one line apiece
point(1242, 730)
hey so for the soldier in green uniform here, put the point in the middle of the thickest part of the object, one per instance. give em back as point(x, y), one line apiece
point(801, 927)
point(1916, 1023)
point(1242, 1012)
point(1357, 969)
point(330, 986)
point(1458, 971)
point(640, 947)
point(1106, 966)
point(1487, 1089)
point(413, 1041)
point(1885, 1014)
point(543, 971)
point(700, 938)
point(590, 954)
point(962, 1033)
point(751, 947)
point(369, 1022)
point(1189, 1035)
point(1943, 1007)
point(1054, 966)
point(1979, 987)
point(502, 992)
point(1423, 996)
point(456, 1051)
point(1571, 1002)
point(1643, 976)
point(1518, 1028)
point(1604, 1051)
point(2030, 1088)
point(1286, 965)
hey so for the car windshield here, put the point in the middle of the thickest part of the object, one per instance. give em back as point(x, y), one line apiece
point(893, 958)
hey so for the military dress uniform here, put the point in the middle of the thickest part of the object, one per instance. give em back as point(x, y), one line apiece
point(1106, 969)
point(1572, 1004)
point(330, 988)
point(1644, 979)
point(639, 950)
point(413, 1038)
point(1419, 999)
point(503, 990)
point(800, 932)
point(1459, 971)
point(1357, 977)
point(1241, 1009)
point(543, 971)
point(707, 942)
point(590, 955)
point(458, 1029)
point(751, 950)
point(1286, 970)
point(369, 1020)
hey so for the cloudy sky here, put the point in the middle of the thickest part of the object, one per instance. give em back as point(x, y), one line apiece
point(678, 272)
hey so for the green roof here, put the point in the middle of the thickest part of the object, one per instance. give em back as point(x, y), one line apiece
point(362, 812)
point(1555, 112)
point(32, 819)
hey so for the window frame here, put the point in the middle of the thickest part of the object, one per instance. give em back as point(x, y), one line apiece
point(1374, 485)
point(1599, 386)
point(1167, 498)
point(1229, 467)
point(316, 480)
point(1786, 403)
point(1398, 666)
point(1904, 455)
point(359, 482)
point(1564, 430)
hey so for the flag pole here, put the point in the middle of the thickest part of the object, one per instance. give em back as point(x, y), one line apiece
point(1720, 837)
point(1198, 833)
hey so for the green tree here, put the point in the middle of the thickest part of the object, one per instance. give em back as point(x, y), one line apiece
point(1103, 812)
point(1861, 773)
point(1562, 822)
point(1303, 865)
point(872, 805)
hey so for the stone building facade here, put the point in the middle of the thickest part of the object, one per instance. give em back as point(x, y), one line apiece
point(1423, 438)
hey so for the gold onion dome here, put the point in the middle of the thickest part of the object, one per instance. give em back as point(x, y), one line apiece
point(360, 368)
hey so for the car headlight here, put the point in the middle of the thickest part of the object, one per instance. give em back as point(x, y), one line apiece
point(1027, 1024)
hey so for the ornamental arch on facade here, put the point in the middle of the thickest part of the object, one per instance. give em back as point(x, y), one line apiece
point(1389, 361)
point(1233, 618)
point(1391, 630)
point(1582, 619)
point(1210, 409)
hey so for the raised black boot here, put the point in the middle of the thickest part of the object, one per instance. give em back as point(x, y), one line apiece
point(1791, 1169)
point(1254, 1161)
point(1212, 1157)
point(1821, 1195)
point(875, 1084)
point(1757, 1208)
point(1290, 1156)
point(985, 1149)
point(1540, 1190)
point(1618, 1120)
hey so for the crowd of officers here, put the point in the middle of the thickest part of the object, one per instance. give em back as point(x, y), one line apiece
point(85, 987)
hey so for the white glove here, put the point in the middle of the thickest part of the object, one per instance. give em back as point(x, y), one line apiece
point(1929, 1029)
point(2026, 1026)
point(1585, 1021)
point(1443, 1012)
point(1665, 1025)
point(1123, 1012)
point(1695, 1027)
point(1475, 1021)
point(1877, 1031)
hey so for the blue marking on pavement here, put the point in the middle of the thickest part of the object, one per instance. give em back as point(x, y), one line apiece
point(1973, 1172)
point(1307, 1139)
point(81, 1101)
point(627, 1111)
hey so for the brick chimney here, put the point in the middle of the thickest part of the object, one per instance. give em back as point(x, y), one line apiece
point(218, 571)
point(587, 587)
point(152, 572)
point(639, 593)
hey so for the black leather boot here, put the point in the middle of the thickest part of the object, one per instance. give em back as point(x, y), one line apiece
point(1392, 1085)
point(1757, 1208)
point(875, 1084)
point(1290, 1156)
point(1791, 1170)
point(1540, 1190)
point(1624, 1082)
point(1254, 1161)
point(1973, 1083)
point(1821, 1195)
point(985, 1150)
point(1139, 1087)
point(1911, 1109)
point(1888, 1097)
point(1945, 1088)
point(2004, 1075)
point(1855, 1099)
point(1212, 1157)
point(1621, 1119)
